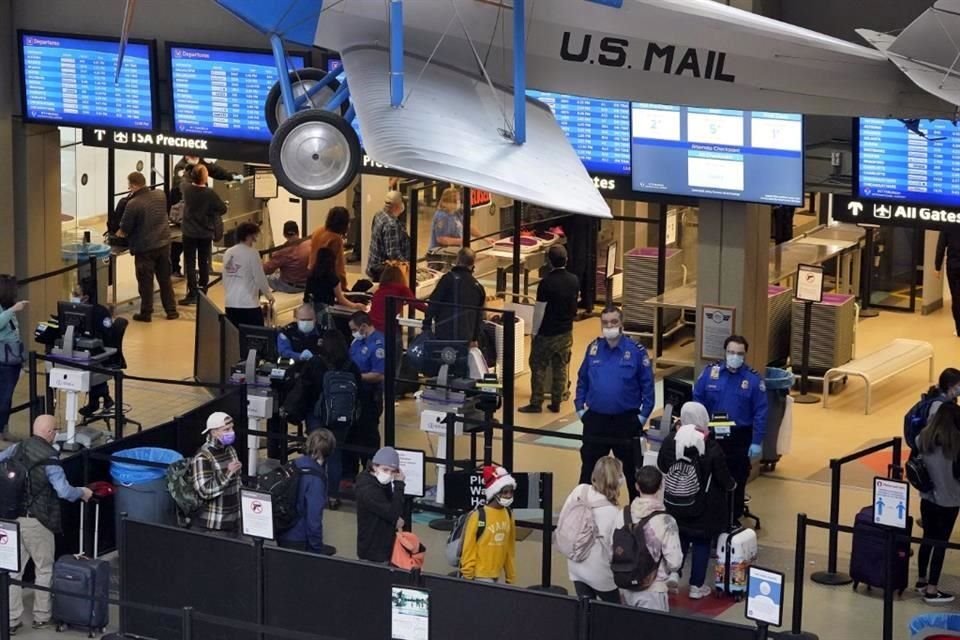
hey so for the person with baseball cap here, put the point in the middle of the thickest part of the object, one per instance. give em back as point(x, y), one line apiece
point(379, 492)
point(489, 552)
point(287, 268)
point(388, 237)
point(216, 477)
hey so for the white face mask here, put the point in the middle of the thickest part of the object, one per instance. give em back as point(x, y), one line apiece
point(611, 333)
point(75, 299)
point(306, 326)
point(193, 161)
point(383, 477)
point(504, 502)
point(357, 335)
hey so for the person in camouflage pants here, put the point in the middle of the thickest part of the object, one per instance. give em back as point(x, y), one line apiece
point(553, 353)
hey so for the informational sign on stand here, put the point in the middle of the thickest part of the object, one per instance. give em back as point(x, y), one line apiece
point(891, 502)
point(10, 546)
point(256, 514)
point(413, 465)
point(716, 325)
point(809, 286)
point(765, 596)
point(264, 184)
point(409, 614)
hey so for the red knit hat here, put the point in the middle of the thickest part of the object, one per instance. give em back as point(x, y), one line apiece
point(495, 480)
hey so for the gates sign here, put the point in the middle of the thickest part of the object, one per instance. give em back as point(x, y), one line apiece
point(892, 213)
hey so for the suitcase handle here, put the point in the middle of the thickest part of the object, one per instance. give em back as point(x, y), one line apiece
point(96, 527)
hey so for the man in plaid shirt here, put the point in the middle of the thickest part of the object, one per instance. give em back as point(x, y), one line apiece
point(388, 238)
point(216, 477)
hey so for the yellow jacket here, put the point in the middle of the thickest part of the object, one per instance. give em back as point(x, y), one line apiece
point(493, 554)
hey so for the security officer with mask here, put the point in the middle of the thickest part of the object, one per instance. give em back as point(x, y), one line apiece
point(368, 352)
point(615, 396)
point(736, 390)
point(298, 340)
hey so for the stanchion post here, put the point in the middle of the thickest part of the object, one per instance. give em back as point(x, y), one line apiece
point(32, 385)
point(831, 577)
point(122, 553)
point(888, 571)
point(390, 366)
point(805, 397)
point(546, 549)
point(897, 470)
point(799, 559)
point(258, 554)
point(186, 623)
point(509, 391)
point(118, 406)
point(4, 605)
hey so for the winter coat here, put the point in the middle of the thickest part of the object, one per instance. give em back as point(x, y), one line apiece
point(595, 570)
point(716, 516)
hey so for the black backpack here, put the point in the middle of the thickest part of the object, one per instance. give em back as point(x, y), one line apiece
point(338, 405)
point(634, 567)
point(283, 485)
point(916, 418)
point(917, 474)
point(14, 485)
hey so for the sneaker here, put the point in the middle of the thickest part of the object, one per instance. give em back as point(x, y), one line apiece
point(88, 410)
point(939, 597)
point(531, 408)
point(37, 625)
point(108, 405)
point(673, 581)
point(189, 301)
point(699, 593)
point(921, 585)
point(554, 407)
point(142, 317)
point(172, 315)
point(14, 628)
point(328, 550)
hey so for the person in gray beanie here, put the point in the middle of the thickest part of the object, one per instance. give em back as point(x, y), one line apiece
point(379, 492)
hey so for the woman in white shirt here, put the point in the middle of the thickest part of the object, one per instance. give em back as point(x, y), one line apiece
point(244, 279)
point(593, 577)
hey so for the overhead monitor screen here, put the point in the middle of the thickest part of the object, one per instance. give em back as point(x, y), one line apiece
point(221, 93)
point(895, 163)
point(71, 81)
point(599, 130)
point(751, 156)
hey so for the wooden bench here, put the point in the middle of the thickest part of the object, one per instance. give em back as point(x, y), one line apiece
point(885, 363)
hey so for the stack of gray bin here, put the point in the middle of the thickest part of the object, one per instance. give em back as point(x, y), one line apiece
point(640, 284)
point(831, 332)
point(778, 313)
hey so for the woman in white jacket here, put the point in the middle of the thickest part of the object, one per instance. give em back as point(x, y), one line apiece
point(593, 577)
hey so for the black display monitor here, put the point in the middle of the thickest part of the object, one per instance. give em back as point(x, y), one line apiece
point(262, 339)
point(453, 353)
point(77, 315)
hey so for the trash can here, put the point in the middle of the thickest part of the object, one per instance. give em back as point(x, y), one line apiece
point(141, 491)
point(935, 625)
point(778, 383)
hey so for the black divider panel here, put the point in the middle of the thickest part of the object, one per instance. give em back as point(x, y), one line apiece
point(330, 596)
point(206, 351)
point(476, 611)
point(614, 621)
point(170, 567)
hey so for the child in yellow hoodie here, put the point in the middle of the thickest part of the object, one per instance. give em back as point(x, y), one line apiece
point(487, 557)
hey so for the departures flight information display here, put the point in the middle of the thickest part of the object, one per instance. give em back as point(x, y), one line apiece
point(749, 156)
point(71, 81)
point(898, 164)
point(222, 92)
point(599, 130)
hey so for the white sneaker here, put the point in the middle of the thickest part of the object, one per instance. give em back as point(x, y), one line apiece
point(698, 593)
point(673, 582)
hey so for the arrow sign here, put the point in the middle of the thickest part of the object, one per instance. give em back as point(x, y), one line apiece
point(855, 208)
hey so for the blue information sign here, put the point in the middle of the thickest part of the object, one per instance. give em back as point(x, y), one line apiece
point(70, 81)
point(222, 92)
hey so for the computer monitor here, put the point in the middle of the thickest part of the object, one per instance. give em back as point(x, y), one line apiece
point(263, 339)
point(453, 353)
point(76, 315)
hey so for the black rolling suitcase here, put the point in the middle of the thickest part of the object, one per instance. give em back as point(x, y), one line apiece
point(868, 558)
point(88, 579)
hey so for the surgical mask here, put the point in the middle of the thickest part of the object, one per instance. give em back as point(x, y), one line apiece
point(193, 161)
point(383, 477)
point(611, 333)
point(306, 326)
point(228, 438)
point(734, 360)
point(504, 502)
point(357, 335)
point(75, 299)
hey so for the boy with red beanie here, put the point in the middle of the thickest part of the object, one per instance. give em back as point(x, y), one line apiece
point(490, 537)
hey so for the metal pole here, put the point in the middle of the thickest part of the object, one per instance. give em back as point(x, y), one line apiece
point(519, 72)
point(122, 553)
point(186, 623)
point(866, 275)
point(466, 197)
point(118, 406)
point(94, 285)
point(283, 75)
point(4, 605)
point(509, 358)
point(414, 210)
point(897, 471)
point(804, 397)
point(517, 221)
point(888, 571)
point(32, 386)
point(261, 604)
point(798, 577)
point(396, 53)
point(830, 577)
point(390, 366)
point(661, 276)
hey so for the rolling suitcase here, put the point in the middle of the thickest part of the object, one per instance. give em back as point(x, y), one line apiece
point(89, 579)
point(737, 550)
point(868, 556)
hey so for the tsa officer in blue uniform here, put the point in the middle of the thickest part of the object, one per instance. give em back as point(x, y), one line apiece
point(368, 352)
point(735, 389)
point(615, 396)
point(298, 340)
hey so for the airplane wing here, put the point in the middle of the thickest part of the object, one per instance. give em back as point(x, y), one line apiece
point(449, 129)
point(296, 20)
point(928, 50)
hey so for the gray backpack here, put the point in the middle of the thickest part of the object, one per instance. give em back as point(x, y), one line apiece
point(576, 529)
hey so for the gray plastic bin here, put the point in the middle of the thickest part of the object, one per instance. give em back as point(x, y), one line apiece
point(141, 491)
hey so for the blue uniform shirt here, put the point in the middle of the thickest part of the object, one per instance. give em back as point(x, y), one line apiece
point(615, 380)
point(740, 394)
point(369, 353)
point(292, 349)
point(447, 225)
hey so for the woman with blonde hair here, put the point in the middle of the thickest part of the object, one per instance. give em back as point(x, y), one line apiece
point(446, 230)
point(592, 576)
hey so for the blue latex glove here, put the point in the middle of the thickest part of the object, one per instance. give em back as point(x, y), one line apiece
point(238, 177)
point(755, 451)
point(580, 412)
point(643, 420)
point(305, 354)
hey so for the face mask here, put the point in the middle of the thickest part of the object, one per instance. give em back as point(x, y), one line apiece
point(734, 360)
point(75, 299)
point(504, 502)
point(306, 326)
point(611, 333)
point(357, 335)
point(383, 477)
point(228, 438)
point(193, 161)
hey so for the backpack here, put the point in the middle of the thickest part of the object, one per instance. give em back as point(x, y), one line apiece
point(175, 215)
point(283, 485)
point(634, 567)
point(338, 403)
point(916, 418)
point(576, 529)
point(455, 539)
point(684, 491)
point(180, 487)
point(14, 485)
point(917, 474)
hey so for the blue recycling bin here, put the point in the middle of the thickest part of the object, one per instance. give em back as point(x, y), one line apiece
point(778, 383)
point(928, 624)
point(141, 491)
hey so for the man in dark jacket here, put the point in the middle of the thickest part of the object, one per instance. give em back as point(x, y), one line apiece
point(456, 320)
point(379, 506)
point(202, 211)
point(948, 246)
point(145, 226)
point(39, 516)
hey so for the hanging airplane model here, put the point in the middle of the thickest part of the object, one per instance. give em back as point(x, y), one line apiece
point(438, 86)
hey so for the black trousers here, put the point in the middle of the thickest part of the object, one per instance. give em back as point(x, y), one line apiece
point(238, 316)
point(736, 448)
point(624, 426)
point(583, 590)
point(937, 525)
point(149, 265)
point(176, 250)
point(365, 433)
point(953, 279)
point(196, 258)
